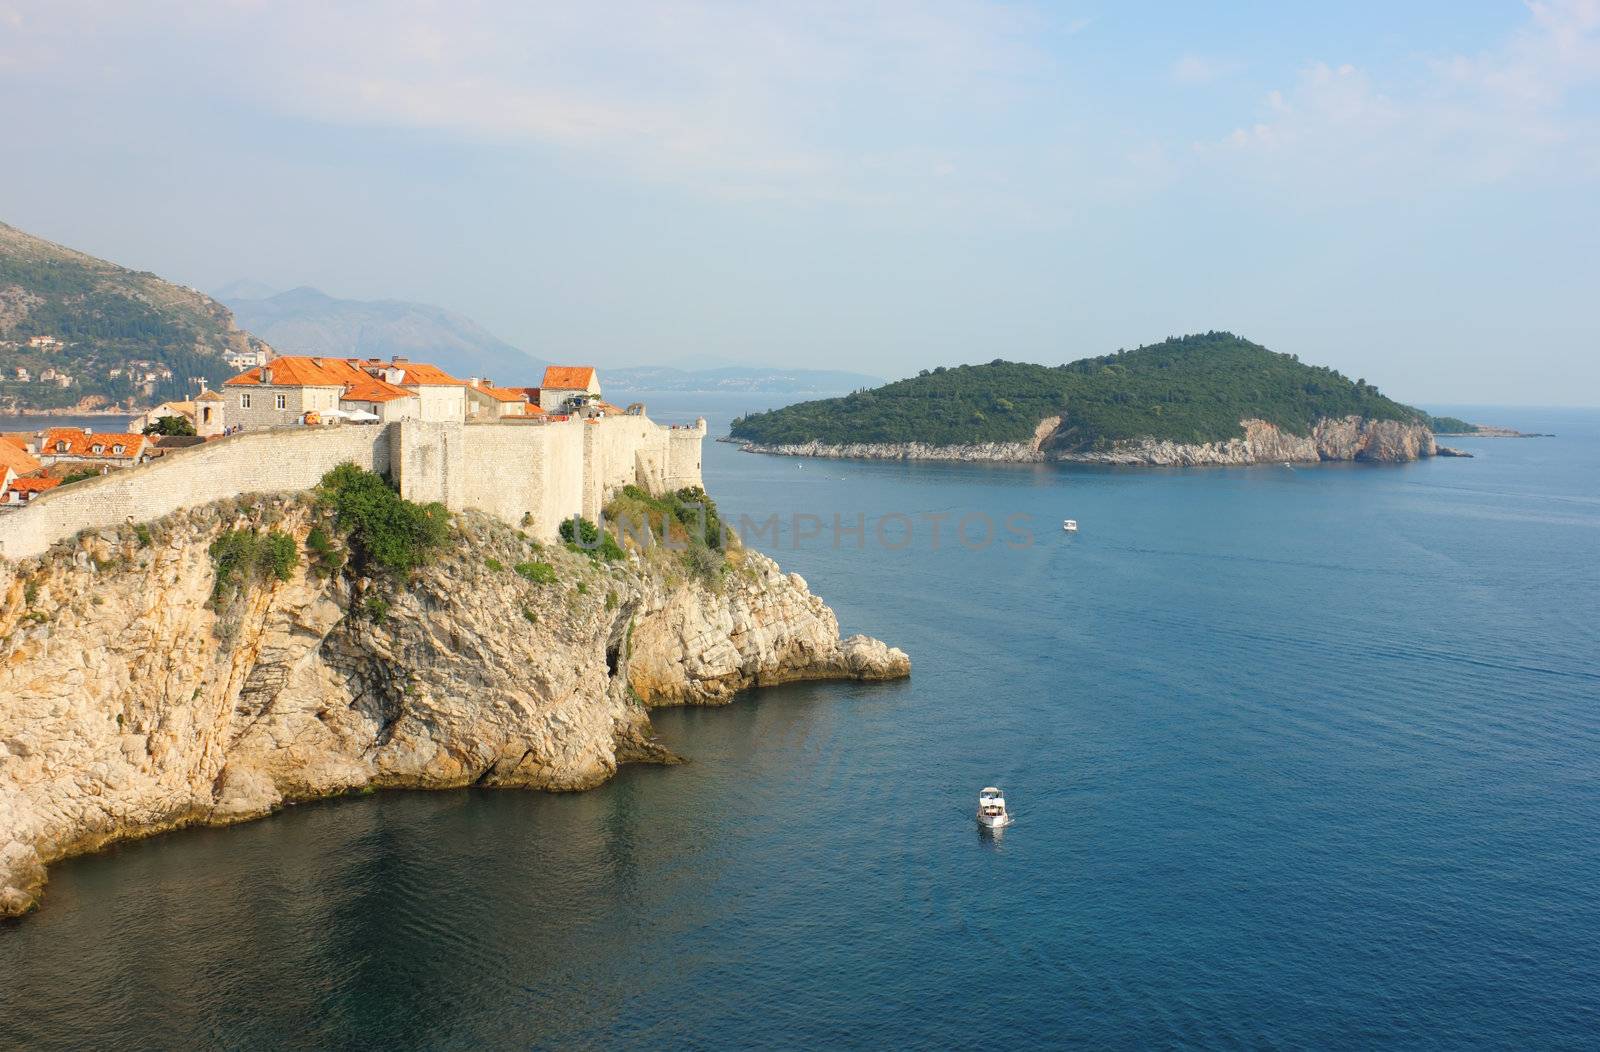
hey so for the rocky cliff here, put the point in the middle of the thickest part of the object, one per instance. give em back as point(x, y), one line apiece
point(1346, 438)
point(132, 702)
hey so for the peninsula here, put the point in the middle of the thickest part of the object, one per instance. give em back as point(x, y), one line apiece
point(1212, 398)
point(359, 575)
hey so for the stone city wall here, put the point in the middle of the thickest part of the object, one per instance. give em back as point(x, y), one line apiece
point(532, 475)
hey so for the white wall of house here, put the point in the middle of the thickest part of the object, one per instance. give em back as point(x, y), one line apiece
point(441, 403)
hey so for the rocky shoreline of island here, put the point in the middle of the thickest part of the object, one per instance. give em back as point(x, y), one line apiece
point(1344, 439)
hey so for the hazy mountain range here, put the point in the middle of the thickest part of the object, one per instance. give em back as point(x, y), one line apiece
point(308, 321)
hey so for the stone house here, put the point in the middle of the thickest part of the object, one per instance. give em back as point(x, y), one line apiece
point(384, 400)
point(22, 490)
point(14, 457)
point(485, 401)
point(565, 383)
point(281, 392)
point(71, 445)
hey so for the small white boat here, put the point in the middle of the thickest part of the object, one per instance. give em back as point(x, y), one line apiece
point(1070, 525)
point(992, 813)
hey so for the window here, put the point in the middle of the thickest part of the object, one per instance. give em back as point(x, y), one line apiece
point(117, 449)
point(244, 401)
point(97, 449)
point(61, 447)
point(282, 401)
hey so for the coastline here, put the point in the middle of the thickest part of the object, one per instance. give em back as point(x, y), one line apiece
point(469, 674)
point(1343, 439)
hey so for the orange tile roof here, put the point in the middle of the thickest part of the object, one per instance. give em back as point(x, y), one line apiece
point(20, 441)
point(17, 459)
point(421, 373)
point(568, 377)
point(292, 370)
point(501, 394)
point(34, 484)
point(372, 389)
point(79, 444)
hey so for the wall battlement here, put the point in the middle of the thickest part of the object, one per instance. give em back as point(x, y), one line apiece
point(532, 475)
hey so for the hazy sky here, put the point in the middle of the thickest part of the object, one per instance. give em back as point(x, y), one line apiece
point(1407, 191)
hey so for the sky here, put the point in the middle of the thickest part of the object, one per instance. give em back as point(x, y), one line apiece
point(1407, 192)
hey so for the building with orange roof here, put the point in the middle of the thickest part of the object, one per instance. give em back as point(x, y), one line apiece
point(281, 392)
point(382, 399)
point(19, 491)
point(106, 449)
point(485, 401)
point(565, 384)
point(14, 457)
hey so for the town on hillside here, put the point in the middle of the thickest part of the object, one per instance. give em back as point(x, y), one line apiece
point(295, 391)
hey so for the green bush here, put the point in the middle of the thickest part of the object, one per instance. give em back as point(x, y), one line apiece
point(537, 572)
point(384, 530)
point(494, 564)
point(170, 425)
point(142, 533)
point(326, 558)
point(242, 557)
point(376, 608)
point(690, 515)
point(581, 535)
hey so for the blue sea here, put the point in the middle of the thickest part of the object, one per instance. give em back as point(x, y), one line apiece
point(1301, 758)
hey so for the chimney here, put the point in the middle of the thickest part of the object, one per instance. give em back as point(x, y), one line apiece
point(266, 374)
point(401, 361)
point(472, 380)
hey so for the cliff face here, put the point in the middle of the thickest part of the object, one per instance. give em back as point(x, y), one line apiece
point(129, 705)
point(1347, 438)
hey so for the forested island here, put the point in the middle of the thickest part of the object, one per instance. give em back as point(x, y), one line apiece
point(1190, 399)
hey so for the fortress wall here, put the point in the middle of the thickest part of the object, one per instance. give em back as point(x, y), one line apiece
point(545, 472)
point(504, 472)
point(683, 455)
point(254, 462)
point(429, 461)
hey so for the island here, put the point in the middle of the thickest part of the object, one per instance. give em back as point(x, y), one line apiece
point(1210, 398)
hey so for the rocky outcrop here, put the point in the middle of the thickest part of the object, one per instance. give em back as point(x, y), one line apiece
point(129, 704)
point(1346, 438)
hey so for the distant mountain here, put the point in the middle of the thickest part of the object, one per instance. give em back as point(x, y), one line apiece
point(245, 289)
point(78, 332)
point(308, 321)
point(754, 379)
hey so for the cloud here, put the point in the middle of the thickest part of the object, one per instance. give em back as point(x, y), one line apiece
point(1198, 69)
point(1512, 111)
point(825, 97)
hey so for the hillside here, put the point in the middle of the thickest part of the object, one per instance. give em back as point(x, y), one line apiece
point(105, 328)
point(1191, 390)
point(309, 321)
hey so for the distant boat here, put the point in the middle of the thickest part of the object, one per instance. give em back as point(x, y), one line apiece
point(1070, 525)
point(992, 813)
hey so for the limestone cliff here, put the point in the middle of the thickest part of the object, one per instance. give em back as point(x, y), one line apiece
point(130, 704)
point(1345, 438)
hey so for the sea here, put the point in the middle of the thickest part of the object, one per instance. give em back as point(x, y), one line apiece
point(1300, 757)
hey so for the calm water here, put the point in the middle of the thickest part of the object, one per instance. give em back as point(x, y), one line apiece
point(1301, 758)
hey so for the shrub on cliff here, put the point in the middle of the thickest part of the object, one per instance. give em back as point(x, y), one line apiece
point(242, 557)
point(581, 535)
point(384, 530)
point(687, 516)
